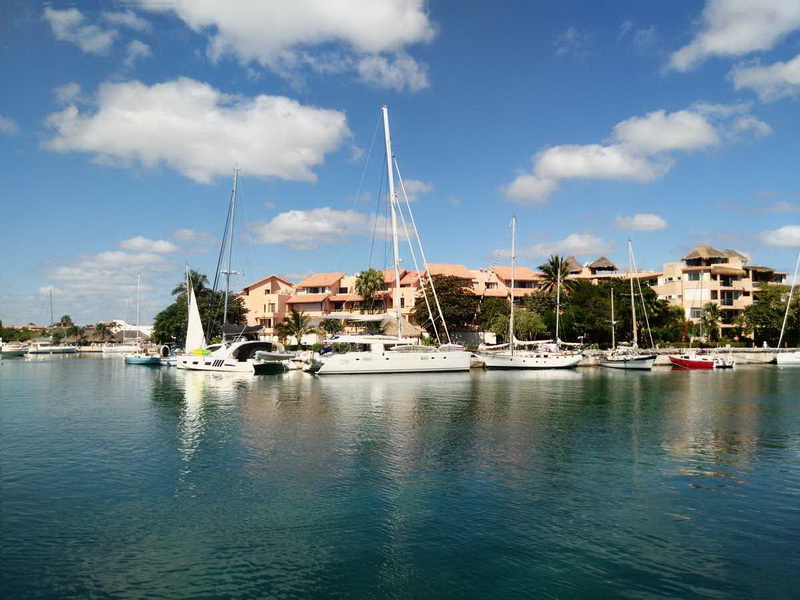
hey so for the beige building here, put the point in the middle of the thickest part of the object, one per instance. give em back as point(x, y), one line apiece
point(725, 278)
point(266, 301)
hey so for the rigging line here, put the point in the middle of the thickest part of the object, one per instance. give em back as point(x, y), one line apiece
point(494, 264)
point(377, 208)
point(413, 254)
point(360, 184)
point(422, 254)
point(789, 300)
point(248, 235)
point(641, 297)
point(220, 259)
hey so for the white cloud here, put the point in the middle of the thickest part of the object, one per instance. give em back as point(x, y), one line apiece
point(414, 189)
point(285, 35)
point(70, 26)
point(127, 19)
point(8, 126)
point(528, 188)
point(788, 235)
point(192, 236)
point(593, 161)
point(660, 131)
point(199, 131)
point(400, 72)
point(69, 92)
point(640, 222)
point(578, 244)
point(308, 229)
point(771, 82)
point(572, 43)
point(640, 148)
point(734, 28)
point(142, 244)
point(134, 51)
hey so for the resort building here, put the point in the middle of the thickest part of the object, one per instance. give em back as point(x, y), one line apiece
point(725, 278)
point(266, 301)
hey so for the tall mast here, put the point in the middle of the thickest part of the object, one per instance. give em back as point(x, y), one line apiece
point(613, 323)
point(558, 296)
point(138, 281)
point(789, 301)
point(230, 246)
point(513, 263)
point(52, 318)
point(392, 205)
point(633, 299)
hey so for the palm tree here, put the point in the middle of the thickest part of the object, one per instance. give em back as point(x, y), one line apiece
point(368, 284)
point(295, 325)
point(104, 331)
point(331, 326)
point(553, 270)
point(710, 321)
point(198, 280)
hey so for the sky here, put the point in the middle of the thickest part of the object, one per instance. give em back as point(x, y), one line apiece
point(121, 123)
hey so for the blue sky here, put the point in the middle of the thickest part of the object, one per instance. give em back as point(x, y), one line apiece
point(121, 122)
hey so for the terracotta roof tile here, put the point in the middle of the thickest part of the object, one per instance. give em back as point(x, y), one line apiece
point(307, 298)
point(450, 270)
point(320, 280)
point(520, 273)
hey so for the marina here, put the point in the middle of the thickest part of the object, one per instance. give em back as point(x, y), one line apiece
point(563, 483)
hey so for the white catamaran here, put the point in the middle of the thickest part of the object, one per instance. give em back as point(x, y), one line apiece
point(790, 358)
point(628, 357)
point(371, 354)
point(546, 355)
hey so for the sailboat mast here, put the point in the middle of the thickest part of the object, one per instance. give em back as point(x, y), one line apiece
point(230, 246)
point(513, 264)
point(633, 299)
point(613, 323)
point(138, 281)
point(789, 301)
point(392, 205)
point(52, 317)
point(558, 297)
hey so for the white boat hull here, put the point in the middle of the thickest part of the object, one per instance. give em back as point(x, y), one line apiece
point(355, 363)
point(787, 359)
point(54, 350)
point(642, 362)
point(532, 360)
point(121, 349)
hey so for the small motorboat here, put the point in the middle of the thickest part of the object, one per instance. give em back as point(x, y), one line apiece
point(143, 358)
point(702, 361)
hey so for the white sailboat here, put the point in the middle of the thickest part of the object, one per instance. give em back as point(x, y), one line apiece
point(628, 357)
point(237, 353)
point(141, 356)
point(385, 354)
point(547, 355)
point(50, 347)
point(791, 358)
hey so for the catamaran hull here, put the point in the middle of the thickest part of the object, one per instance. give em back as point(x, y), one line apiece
point(788, 359)
point(207, 363)
point(534, 361)
point(373, 363)
point(635, 363)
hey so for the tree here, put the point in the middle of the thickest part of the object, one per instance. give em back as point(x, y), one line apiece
point(331, 326)
point(65, 321)
point(198, 281)
point(553, 271)
point(763, 319)
point(295, 325)
point(170, 323)
point(527, 325)
point(710, 320)
point(457, 300)
point(368, 284)
point(104, 331)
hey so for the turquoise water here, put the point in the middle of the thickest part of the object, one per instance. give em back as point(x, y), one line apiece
point(134, 482)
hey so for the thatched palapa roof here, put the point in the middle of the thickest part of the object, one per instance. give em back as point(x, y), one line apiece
point(603, 264)
point(734, 254)
point(573, 265)
point(704, 252)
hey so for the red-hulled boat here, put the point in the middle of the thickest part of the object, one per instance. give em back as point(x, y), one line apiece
point(692, 361)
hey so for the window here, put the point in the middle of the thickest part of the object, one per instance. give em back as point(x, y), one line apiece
point(713, 294)
point(272, 307)
point(696, 313)
point(491, 286)
point(402, 302)
point(694, 276)
point(342, 290)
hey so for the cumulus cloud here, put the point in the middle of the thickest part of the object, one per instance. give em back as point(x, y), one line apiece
point(640, 222)
point(578, 244)
point(733, 28)
point(308, 229)
point(127, 19)
point(199, 131)
point(8, 126)
point(572, 43)
point(787, 236)
point(771, 82)
point(368, 38)
point(639, 149)
point(134, 51)
point(70, 25)
point(415, 188)
point(142, 244)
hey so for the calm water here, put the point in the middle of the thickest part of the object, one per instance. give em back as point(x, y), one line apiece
point(154, 483)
